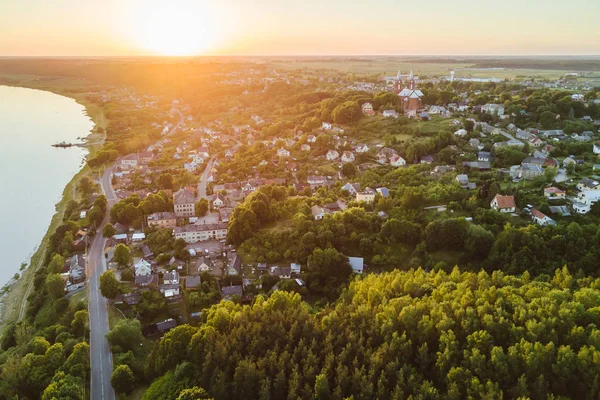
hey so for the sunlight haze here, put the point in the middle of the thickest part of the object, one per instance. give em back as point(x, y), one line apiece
point(268, 27)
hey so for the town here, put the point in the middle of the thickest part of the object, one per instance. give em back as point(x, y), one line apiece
point(299, 180)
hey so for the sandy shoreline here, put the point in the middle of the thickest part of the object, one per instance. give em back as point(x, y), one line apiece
point(12, 301)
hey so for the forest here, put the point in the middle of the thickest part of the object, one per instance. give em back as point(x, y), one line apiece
point(398, 335)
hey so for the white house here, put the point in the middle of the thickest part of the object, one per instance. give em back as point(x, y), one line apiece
point(541, 219)
point(350, 188)
point(142, 268)
point(597, 148)
point(327, 125)
point(390, 113)
point(332, 155)
point(311, 139)
point(218, 201)
point(130, 161)
point(318, 212)
point(362, 148)
point(493, 108)
point(504, 204)
point(397, 161)
point(348, 156)
point(589, 197)
point(367, 108)
point(357, 264)
point(190, 167)
point(200, 233)
point(283, 153)
point(367, 195)
point(305, 147)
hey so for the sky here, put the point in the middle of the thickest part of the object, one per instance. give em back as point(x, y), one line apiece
point(307, 27)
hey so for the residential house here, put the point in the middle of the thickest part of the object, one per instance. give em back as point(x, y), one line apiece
point(541, 219)
point(383, 191)
point(351, 188)
point(318, 212)
point(184, 202)
point(281, 272)
point(162, 220)
point(142, 268)
point(200, 233)
point(296, 268)
point(315, 180)
point(367, 195)
point(426, 160)
point(327, 126)
point(397, 161)
point(231, 292)
point(367, 109)
point(190, 167)
point(145, 157)
point(305, 147)
point(166, 325)
point(171, 278)
point(530, 171)
point(362, 148)
point(390, 114)
point(130, 161)
point(311, 139)
point(463, 180)
point(283, 153)
point(357, 264)
point(503, 204)
point(597, 148)
point(347, 156)
point(497, 109)
point(554, 193)
point(587, 184)
point(192, 282)
point(484, 156)
point(218, 200)
point(234, 264)
point(332, 155)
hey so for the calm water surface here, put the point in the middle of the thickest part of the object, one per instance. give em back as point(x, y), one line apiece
point(32, 173)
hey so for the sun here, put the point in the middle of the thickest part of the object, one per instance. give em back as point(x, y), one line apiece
point(174, 29)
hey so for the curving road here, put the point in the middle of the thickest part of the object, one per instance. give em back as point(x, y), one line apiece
point(100, 355)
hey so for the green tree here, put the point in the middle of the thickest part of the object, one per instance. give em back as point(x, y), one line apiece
point(80, 322)
point(109, 230)
point(122, 379)
point(122, 255)
point(57, 264)
point(348, 169)
point(195, 393)
point(55, 286)
point(109, 285)
point(64, 387)
point(126, 334)
point(201, 207)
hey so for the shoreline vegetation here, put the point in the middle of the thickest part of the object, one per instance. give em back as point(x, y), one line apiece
point(13, 302)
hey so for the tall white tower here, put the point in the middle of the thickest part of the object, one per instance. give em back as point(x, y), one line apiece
point(451, 76)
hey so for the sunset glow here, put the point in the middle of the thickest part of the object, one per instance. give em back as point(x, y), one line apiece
point(270, 27)
point(160, 28)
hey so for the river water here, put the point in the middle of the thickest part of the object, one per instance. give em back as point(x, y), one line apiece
point(33, 174)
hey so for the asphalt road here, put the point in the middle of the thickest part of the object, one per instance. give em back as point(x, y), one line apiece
point(100, 355)
point(204, 179)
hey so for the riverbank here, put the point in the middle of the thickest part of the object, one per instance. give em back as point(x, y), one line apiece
point(14, 302)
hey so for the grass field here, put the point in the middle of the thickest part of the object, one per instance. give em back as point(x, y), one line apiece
point(390, 66)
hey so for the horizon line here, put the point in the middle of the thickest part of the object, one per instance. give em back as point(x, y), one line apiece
point(296, 55)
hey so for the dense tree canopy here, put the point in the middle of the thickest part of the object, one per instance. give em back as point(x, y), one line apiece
point(429, 335)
